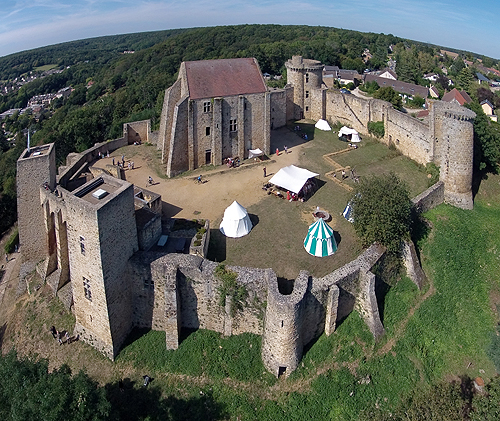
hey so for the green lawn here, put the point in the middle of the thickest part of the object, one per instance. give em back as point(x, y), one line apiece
point(277, 239)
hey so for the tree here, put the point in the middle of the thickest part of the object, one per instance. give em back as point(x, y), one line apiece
point(28, 391)
point(390, 95)
point(486, 141)
point(382, 211)
point(465, 78)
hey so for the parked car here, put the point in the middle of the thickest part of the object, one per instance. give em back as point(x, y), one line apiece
point(345, 91)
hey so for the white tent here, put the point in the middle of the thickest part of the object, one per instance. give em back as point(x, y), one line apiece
point(346, 131)
point(252, 153)
point(319, 240)
point(323, 125)
point(292, 178)
point(236, 222)
point(347, 214)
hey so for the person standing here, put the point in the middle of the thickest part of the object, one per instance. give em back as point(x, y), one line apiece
point(265, 174)
point(286, 149)
point(277, 152)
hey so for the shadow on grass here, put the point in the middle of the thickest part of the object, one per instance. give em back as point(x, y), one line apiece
point(137, 333)
point(130, 400)
point(254, 219)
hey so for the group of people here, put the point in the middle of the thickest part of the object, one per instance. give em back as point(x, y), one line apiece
point(233, 162)
point(62, 337)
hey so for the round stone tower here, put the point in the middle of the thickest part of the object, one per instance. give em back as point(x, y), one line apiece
point(453, 151)
point(304, 75)
point(282, 343)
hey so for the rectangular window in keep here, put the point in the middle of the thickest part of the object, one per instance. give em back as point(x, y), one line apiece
point(82, 245)
point(207, 107)
point(86, 289)
point(233, 125)
point(207, 131)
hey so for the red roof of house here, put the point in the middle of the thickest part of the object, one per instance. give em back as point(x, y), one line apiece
point(461, 97)
point(226, 77)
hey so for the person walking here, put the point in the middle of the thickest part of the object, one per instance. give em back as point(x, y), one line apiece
point(265, 174)
point(277, 152)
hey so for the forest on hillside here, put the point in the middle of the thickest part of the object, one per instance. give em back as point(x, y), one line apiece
point(111, 87)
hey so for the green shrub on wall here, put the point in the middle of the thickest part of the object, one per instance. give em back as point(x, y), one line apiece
point(376, 128)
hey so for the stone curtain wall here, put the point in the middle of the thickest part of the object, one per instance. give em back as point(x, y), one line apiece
point(410, 136)
point(137, 131)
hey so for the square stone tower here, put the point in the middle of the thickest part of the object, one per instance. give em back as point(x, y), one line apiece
point(35, 167)
point(102, 236)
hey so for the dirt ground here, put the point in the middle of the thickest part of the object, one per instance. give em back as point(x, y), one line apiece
point(183, 197)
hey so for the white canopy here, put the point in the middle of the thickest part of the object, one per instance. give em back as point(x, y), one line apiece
point(292, 178)
point(323, 125)
point(236, 222)
point(252, 153)
point(346, 131)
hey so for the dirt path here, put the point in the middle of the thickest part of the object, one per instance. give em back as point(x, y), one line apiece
point(183, 197)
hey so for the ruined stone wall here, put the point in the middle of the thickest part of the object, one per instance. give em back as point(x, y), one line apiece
point(410, 136)
point(148, 234)
point(348, 110)
point(34, 168)
point(278, 98)
point(137, 131)
point(171, 98)
point(318, 104)
point(430, 198)
point(77, 162)
point(178, 159)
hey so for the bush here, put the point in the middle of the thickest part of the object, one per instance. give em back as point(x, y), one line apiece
point(417, 101)
point(376, 128)
point(369, 87)
point(12, 242)
point(382, 211)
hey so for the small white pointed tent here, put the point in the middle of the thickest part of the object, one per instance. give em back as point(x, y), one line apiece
point(351, 134)
point(323, 125)
point(319, 240)
point(236, 222)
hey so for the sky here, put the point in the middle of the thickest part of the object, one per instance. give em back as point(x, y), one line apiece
point(466, 25)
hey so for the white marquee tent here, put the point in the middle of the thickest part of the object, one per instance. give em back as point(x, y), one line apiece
point(292, 178)
point(253, 153)
point(319, 240)
point(323, 125)
point(236, 222)
point(346, 131)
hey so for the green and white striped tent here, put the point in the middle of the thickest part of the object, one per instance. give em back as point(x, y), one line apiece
point(319, 240)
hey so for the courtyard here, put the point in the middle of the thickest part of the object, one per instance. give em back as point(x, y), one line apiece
point(276, 240)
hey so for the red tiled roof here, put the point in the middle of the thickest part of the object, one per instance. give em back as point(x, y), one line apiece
point(226, 77)
point(461, 97)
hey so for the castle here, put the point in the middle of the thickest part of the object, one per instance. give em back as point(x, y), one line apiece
point(90, 233)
